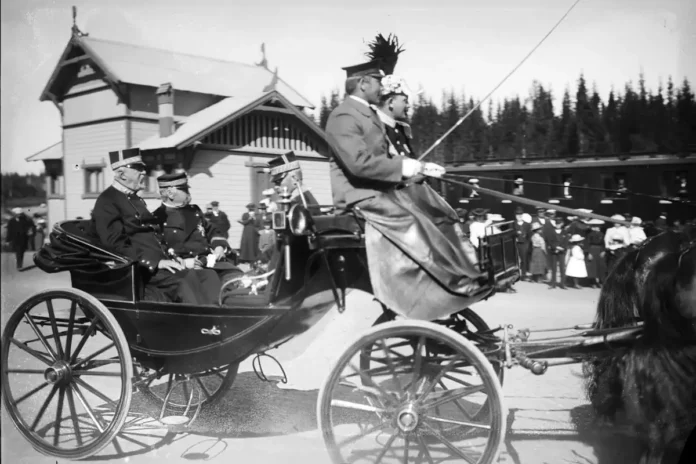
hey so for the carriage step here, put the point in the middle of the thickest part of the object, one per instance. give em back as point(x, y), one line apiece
point(175, 420)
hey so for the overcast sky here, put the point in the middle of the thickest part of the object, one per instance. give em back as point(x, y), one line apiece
point(463, 45)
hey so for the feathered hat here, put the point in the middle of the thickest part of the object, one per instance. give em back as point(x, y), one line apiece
point(386, 51)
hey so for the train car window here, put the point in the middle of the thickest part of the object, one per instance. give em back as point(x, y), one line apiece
point(607, 184)
point(555, 189)
point(518, 188)
point(682, 187)
point(508, 184)
point(620, 185)
point(666, 182)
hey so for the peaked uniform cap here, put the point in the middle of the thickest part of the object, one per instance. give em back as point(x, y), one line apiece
point(175, 179)
point(125, 157)
point(371, 68)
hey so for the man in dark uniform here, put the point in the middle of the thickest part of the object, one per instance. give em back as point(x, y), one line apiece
point(123, 224)
point(285, 172)
point(523, 233)
point(18, 235)
point(417, 263)
point(189, 236)
point(219, 219)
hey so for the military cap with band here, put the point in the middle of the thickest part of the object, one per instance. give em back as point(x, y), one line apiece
point(283, 164)
point(175, 179)
point(126, 157)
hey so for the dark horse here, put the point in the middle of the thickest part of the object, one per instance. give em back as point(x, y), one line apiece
point(651, 385)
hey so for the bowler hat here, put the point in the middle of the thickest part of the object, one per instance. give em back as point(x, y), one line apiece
point(519, 210)
point(479, 212)
point(461, 212)
point(214, 203)
point(251, 206)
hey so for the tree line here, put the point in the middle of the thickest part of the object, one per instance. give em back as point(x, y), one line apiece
point(632, 121)
point(16, 186)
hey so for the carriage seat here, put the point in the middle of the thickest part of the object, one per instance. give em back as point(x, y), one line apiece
point(338, 224)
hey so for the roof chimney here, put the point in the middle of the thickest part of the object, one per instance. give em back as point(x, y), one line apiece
point(165, 105)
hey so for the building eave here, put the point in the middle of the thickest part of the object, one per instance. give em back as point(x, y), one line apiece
point(54, 152)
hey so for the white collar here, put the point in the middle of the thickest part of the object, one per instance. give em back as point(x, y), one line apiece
point(169, 205)
point(360, 100)
point(123, 189)
point(385, 118)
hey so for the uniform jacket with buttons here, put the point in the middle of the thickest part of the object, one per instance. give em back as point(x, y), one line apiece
point(523, 232)
point(123, 224)
point(360, 165)
point(398, 136)
point(186, 231)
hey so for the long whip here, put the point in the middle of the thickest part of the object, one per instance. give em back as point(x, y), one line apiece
point(438, 141)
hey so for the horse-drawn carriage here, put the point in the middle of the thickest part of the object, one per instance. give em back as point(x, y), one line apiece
point(432, 386)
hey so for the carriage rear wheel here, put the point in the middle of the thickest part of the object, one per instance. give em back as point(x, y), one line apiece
point(465, 322)
point(212, 384)
point(395, 412)
point(66, 373)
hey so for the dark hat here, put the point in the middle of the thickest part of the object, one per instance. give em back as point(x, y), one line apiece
point(251, 206)
point(480, 212)
point(551, 212)
point(283, 164)
point(541, 209)
point(371, 68)
point(461, 212)
point(125, 157)
point(262, 205)
point(558, 219)
point(267, 221)
point(519, 210)
point(214, 203)
point(175, 179)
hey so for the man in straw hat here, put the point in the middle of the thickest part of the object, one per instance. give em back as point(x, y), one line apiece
point(417, 263)
point(123, 224)
point(193, 240)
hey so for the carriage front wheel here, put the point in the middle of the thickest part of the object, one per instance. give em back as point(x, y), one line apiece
point(414, 407)
point(66, 373)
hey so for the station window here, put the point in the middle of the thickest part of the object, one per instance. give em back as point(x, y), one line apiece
point(54, 187)
point(620, 185)
point(94, 179)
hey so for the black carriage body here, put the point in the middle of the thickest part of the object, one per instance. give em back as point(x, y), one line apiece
point(181, 338)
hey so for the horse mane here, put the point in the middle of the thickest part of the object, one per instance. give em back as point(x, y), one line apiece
point(617, 299)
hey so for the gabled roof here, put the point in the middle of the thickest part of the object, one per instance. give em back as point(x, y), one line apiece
point(54, 152)
point(134, 64)
point(208, 120)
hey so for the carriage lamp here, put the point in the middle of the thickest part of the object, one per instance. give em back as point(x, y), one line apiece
point(301, 222)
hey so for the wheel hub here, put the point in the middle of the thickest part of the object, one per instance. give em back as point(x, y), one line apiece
point(407, 419)
point(58, 373)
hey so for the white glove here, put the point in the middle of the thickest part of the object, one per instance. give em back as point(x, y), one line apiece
point(189, 263)
point(411, 167)
point(433, 170)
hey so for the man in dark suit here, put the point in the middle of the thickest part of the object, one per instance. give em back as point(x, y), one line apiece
point(219, 219)
point(123, 224)
point(416, 266)
point(18, 235)
point(191, 239)
point(523, 233)
point(556, 239)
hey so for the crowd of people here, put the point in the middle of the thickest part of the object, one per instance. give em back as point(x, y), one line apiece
point(565, 252)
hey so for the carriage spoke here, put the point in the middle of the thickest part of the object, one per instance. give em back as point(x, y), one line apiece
point(424, 449)
point(85, 336)
point(54, 328)
point(98, 374)
point(85, 405)
point(437, 378)
point(356, 406)
point(454, 379)
point(59, 416)
point(133, 440)
point(94, 355)
point(117, 447)
point(456, 403)
point(43, 408)
point(452, 395)
point(41, 336)
point(387, 447)
point(37, 354)
point(32, 392)
point(25, 371)
point(450, 445)
point(73, 416)
point(94, 391)
point(71, 324)
point(455, 422)
point(417, 365)
point(390, 365)
point(367, 379)
point(406, 442)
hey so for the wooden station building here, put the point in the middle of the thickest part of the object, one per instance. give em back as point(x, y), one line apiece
point(220, 121)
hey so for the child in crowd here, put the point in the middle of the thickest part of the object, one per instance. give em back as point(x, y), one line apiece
point(575, 261)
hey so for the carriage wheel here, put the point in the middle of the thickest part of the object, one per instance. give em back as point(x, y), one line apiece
point(212, 384)
point(394, 412)
point(66, 373)
point(464, 322)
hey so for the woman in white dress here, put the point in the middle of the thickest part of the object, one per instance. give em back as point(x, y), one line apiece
point(575, 260)
point(616, 239)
